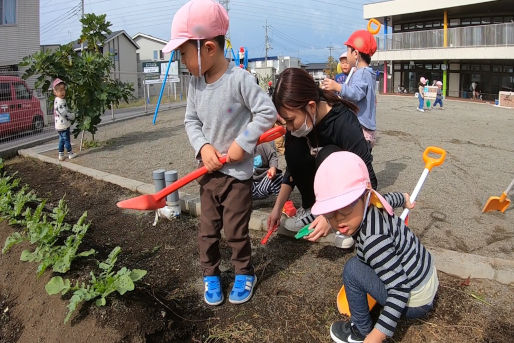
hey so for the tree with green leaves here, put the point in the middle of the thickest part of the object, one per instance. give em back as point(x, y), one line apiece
point(331, 70)
point(90, 90)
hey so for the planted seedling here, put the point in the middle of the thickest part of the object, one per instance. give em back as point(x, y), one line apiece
point(98, 287)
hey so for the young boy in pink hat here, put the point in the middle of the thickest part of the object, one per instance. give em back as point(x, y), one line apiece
point(226, 114)
point(391, 263)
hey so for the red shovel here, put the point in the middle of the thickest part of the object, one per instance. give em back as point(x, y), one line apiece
point(158, 200)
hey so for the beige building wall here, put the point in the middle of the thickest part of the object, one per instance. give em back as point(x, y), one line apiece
point(125, 61)
point(147, 47)
point(21, 39)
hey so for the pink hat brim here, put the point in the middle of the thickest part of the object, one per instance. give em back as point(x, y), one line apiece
point(338, 202)
point(174, 44)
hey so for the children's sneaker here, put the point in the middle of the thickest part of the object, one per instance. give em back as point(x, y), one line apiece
point(213, 294)
point(421, 110)
point(343, 241)
point(289, 209)
point(61, 156)
point(243, 288)
point(71, 155)
point(302, 218)
point(345, 332)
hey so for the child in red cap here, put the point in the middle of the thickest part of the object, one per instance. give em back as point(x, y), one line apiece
point(361, 88)
point(226, 114)
point(391, 263)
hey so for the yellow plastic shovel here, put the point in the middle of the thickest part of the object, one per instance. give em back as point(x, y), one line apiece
point(500, 203)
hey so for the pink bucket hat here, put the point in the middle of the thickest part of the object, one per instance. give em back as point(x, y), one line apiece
point(340, 180)
point(56, 82)
point(438, 83)
point(197, 19)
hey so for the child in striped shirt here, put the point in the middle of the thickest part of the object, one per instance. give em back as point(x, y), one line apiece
point(391, 263)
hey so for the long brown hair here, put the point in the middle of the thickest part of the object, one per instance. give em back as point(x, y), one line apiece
point(295, 88)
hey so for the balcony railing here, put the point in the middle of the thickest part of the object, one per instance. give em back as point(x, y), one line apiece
point(458, 37)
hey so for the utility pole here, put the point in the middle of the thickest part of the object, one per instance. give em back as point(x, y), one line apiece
point(267, 44)
point(82, 17)
point(330, 48)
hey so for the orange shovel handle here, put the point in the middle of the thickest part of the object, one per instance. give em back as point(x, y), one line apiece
point(431, 162)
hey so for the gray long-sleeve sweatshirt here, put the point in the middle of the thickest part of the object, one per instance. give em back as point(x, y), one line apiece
point(232, 108)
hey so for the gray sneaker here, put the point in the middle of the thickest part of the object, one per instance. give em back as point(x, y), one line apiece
point(71, 155)
point(61, 156)
point(302, 218)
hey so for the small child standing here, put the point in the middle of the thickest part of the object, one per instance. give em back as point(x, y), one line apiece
point(421, 93)
point(439, 96)
point(267, 178)
point(63, 118)
point(360, 90)
point(391, 263)
point(226, 114)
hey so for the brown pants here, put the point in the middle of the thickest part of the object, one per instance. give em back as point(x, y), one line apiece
point(226, 203)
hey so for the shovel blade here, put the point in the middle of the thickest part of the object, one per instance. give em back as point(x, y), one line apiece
point(496, 204)
point(142, 202)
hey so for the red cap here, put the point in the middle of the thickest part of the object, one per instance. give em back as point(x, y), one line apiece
point(362, 41)
point(270, 83)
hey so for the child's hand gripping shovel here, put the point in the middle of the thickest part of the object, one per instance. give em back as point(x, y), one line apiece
point(430, 162)
point(498, 203)
point(158, 200)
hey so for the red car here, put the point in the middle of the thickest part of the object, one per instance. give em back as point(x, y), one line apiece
point(20, 110)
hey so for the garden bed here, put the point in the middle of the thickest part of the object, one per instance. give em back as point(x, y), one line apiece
point(294, 299)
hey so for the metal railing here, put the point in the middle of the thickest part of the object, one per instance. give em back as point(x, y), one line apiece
point(458, 37)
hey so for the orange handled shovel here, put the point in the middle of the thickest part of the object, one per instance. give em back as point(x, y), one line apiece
point(500, 203)
point(430, 162)
point(158, 200)
point(342, 302)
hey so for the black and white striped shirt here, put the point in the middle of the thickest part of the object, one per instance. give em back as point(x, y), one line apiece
point(396, 255)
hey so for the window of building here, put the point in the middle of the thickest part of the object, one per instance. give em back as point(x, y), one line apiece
point(436, 24)
point(156, 54)
point(508, 19)
point(507, 69)
point(7, 12)
point(454, 22)
point(465, 21)
point(475, 21)
point(428, 66)
point(397, 66)
point(419, 26)
point(436, 66)
point(464, 67)
point(22, 93)
point(419, 66)
point(475, 67)
point(454, 66)
point(405, 27)
point(497, 68)
point(486, 67)
point(485, 20)
point(497, 20)
point(397, 28)
point(428, 25)
point(412, 26)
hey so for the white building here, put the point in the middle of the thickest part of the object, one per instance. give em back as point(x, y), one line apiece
point(19, 32)
point(458, 42)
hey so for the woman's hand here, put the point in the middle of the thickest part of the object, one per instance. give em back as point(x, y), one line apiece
point(330, 85)
point(274, 217)
point(321, 228)
point(408, 204)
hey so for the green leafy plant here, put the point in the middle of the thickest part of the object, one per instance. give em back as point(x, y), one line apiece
point(59, 257)
point(90, 89)
point(98, 287)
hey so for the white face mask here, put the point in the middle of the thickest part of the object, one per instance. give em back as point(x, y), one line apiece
point(304, 130)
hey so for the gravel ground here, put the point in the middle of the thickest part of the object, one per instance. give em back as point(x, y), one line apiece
point(479, 140)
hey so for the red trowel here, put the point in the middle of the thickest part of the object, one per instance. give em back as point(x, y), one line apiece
point(158, 200)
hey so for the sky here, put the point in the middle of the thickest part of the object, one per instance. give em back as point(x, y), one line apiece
point(297, 28)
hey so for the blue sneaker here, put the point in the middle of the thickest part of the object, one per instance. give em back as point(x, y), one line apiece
point(243, 288)
point(213, 294)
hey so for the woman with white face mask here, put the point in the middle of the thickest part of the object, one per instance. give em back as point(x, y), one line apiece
point(318, 123)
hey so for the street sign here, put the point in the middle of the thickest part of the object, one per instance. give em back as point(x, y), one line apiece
point(151, 67)
point(151, 82)
point(173, 69)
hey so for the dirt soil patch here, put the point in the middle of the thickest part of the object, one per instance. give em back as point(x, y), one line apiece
point(294, 300)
